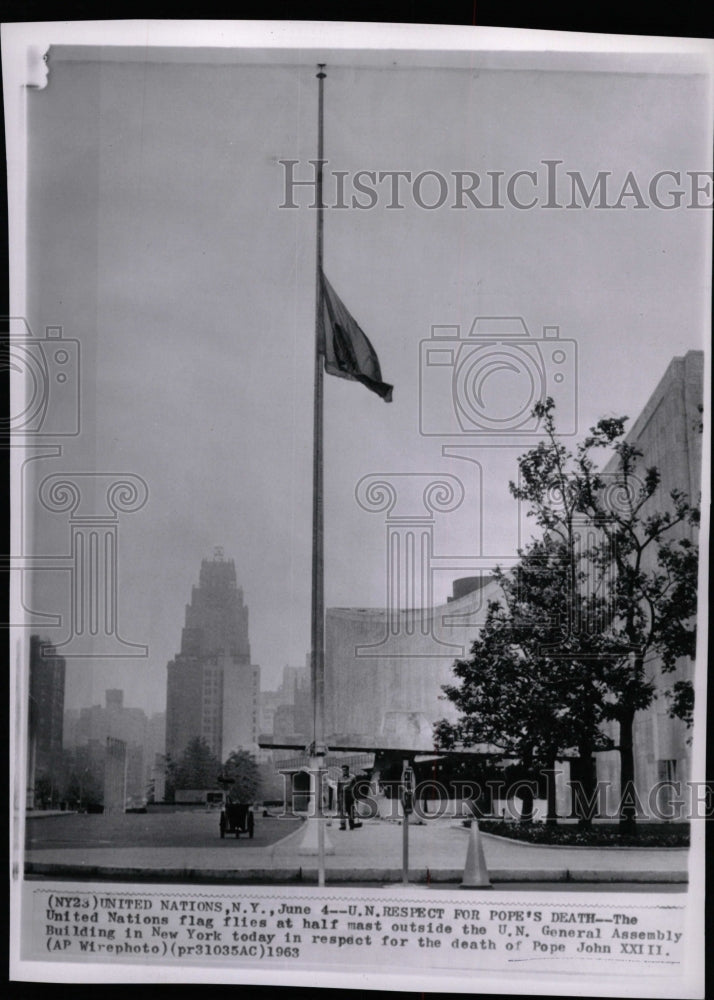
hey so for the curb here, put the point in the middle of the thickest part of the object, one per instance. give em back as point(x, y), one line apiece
point(299, 873)
point(48, 813)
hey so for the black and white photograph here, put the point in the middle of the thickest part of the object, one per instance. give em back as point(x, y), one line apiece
point(359, 439)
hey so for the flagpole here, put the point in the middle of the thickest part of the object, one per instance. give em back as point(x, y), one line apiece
point(318, 585)
point(314, 839)
point(318, 520)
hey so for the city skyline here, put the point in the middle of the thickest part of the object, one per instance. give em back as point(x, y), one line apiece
point(157, 707)
point(190, 292)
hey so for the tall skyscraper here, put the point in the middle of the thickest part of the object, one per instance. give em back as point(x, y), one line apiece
point(213, 690)
point(115, 775)
point(46, 710)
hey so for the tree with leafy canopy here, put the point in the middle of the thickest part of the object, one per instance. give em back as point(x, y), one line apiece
point(241, 770)
point(197, 767)
point(646, 575)
point(82, 780)
point(529, 687)
point(650, 558)
point(44, 791)
point(587, 578)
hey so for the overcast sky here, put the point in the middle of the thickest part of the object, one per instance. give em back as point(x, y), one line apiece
point(156, 239)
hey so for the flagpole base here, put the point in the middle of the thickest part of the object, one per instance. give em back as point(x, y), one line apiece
point(309, 841)
point(314, 839)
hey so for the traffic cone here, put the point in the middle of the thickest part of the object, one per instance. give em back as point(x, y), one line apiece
point(475, 870)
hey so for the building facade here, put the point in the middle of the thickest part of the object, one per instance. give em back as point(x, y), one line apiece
point(96, 722)
point(213, 689)
point(385, 668)
point(116, 773)
point(88, 730)
point(384, 671)
point(669, 434)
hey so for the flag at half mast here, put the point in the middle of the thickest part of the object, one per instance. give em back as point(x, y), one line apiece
point(346, 348)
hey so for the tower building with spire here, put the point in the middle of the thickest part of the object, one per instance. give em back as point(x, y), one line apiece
point(213, 689)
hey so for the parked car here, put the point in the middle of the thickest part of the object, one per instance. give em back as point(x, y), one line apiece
point(135, 805)
point(237, 818)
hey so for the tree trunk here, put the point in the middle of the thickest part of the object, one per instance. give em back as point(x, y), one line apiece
point(584, 787)
point(526, 791)
point(551, 818)
point(628, 811)
point(526, 797)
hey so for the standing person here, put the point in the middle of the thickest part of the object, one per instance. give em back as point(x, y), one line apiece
point(346, 798)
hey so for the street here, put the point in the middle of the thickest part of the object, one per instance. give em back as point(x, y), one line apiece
point(165, 829)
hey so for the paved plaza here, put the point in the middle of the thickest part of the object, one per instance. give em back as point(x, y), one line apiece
point(186, 846)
